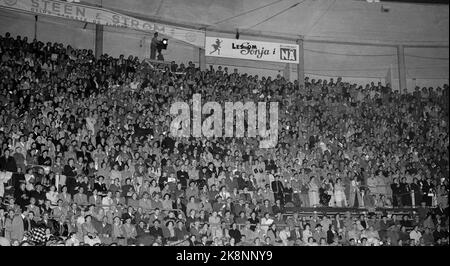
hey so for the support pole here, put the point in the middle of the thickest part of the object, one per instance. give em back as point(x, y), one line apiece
point(287, 72)
point(202, 59)
point(35, 26)
point(98, 40)
point(301, 65)
point(401, 68)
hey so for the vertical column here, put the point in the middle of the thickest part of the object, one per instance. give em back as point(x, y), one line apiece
point(389, 78)
point(401, 68)
point(202, 59)
point(301, 64)
point(287, 73)
point(35, 26)
point(98, 40)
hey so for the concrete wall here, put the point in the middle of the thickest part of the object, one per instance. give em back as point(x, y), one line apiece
point(48, 29)
point(427, 66)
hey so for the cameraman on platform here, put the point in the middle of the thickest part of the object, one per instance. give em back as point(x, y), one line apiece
point(156, 45)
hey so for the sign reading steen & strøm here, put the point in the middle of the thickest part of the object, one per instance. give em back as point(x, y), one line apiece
point(102, 16)
point(252, 50)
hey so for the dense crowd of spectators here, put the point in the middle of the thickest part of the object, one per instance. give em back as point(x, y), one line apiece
point(87, 157)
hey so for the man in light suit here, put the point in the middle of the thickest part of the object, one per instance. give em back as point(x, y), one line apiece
point(33, 208)
point(80, 198)
point(18, 228)
point(118, 199)
point(60, 210)
point(95, 199)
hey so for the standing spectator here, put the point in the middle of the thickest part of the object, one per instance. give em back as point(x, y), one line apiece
point(339, 195)
point(154, 46)
point(278, 189)
point(313, 192)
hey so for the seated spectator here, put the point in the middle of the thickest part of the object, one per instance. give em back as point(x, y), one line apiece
point(130, 232)
point(104, 230)
point(307, 235)
point(180, 231)
point(415, 235)
point(355, 232)
point(118, 233)
point(428, 238)
point(235, 233)
point(95, 198)
point(72, 240)
point(319, 233)
point(440, 235)
point(156, 230)
point(80, 198)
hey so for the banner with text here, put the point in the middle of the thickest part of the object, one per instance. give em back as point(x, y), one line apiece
point(252, 50)
point(103, 16)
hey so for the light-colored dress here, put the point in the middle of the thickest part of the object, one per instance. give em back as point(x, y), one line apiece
point(372, 184)
point(382, 187)
point(339, 196)
point(52, 197)
point(313, 193)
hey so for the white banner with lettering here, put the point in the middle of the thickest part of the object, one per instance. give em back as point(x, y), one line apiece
point(252, 50)
point(103, 16)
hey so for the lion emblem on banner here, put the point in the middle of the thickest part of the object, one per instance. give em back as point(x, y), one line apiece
point(190, 37)
point(10, 2)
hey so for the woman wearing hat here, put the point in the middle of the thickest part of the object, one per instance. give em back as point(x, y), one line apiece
point(90, 234)
point(180, 231)
point(118, 234)
point(169, 232)
point(130, 232)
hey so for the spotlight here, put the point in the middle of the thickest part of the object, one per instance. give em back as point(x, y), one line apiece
point(164, 44)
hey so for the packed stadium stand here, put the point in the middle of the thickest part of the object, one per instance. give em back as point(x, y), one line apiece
point(86, 158)
point(91, 153)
